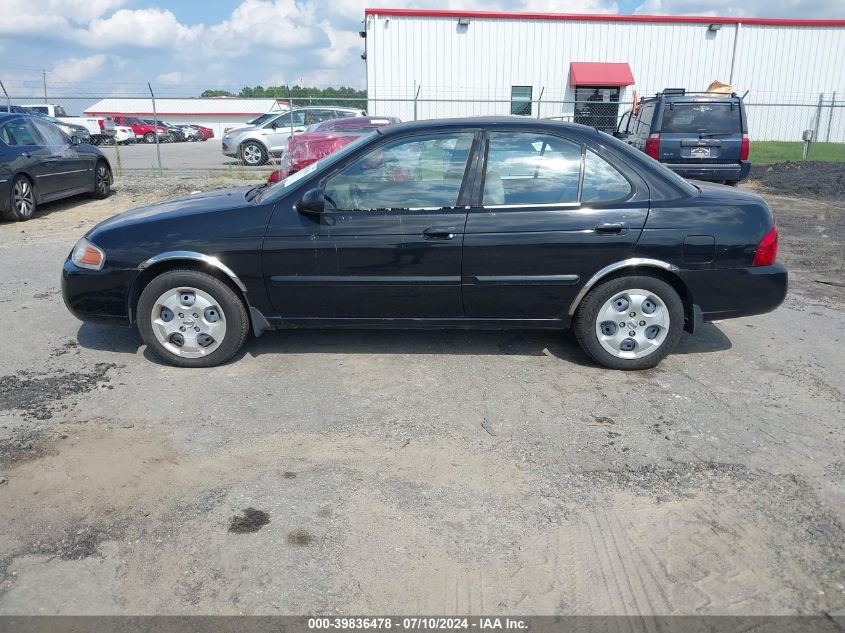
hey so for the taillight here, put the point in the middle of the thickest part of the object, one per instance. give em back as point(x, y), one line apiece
point(745, 148)
point(767, 249)
point(276, 176)
point(102, 124)
point(652, 145)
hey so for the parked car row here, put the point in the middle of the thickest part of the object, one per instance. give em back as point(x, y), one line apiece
point(94, 130)
point(136, 129)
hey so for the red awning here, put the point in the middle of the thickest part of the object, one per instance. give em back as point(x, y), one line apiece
point(600, 74)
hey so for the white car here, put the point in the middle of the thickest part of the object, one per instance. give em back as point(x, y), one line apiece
point(123, 134)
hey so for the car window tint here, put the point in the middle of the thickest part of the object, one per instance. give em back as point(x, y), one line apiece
point(50, 133)
point(602, 182)
point(413, 172)
point(20, 132)
point(531, 168)
point(718, 118)
point(646, 114)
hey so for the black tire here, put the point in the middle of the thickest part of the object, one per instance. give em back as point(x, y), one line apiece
point(248, 149)
point(585, 321)
point(102, 180)
point(149, 137)
point(234, 312)
point(22, 200)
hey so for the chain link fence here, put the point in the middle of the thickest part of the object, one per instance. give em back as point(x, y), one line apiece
point(770, 118)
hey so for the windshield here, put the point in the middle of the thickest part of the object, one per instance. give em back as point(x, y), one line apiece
point(702, 118)
point(275, 191)
point(264, 118)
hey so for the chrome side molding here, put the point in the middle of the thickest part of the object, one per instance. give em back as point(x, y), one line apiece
point(632, 262)
point(190, 255)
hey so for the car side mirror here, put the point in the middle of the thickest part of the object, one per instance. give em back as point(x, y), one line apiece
point(313, 202)
point(74, 140)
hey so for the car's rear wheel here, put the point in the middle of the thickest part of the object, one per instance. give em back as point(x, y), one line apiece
point(102, 180)
point(149, 137)
point(253, 153)
point(191, 319)
point(22, 201)
point(630, 322)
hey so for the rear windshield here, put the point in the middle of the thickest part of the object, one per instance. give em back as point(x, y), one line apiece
point(702, 118)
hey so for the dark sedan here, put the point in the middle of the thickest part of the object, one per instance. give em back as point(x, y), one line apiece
point(40, 163)
point(489, 222)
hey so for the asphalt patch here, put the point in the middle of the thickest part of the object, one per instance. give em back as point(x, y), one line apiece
point(252, 520)
point(39, 395)
point(301, 538)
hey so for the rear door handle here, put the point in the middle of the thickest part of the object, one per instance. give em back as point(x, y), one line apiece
point(440, 233)
point(611, 228)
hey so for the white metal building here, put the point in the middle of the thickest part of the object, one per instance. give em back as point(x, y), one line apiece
point(218, 113)
point(425, 64)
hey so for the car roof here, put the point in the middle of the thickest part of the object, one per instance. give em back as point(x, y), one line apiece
point(691, 97)
point(490, 122)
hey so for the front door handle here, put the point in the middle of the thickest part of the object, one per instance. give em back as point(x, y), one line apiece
point(440, 233)
point(611, 228)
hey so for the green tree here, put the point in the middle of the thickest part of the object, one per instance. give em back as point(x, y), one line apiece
point(216, 93)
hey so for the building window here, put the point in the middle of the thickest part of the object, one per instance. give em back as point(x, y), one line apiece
point(521, 100)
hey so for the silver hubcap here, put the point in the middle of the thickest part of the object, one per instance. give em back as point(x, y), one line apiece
point(188, 322)
point(252, 154)
point(24, 200)
point(632, 323)
point(102, 179)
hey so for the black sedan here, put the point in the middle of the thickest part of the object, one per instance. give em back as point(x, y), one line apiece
point(40, 163)
point(478, 223)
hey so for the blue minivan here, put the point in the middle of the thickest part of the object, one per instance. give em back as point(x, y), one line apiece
point(702, 136)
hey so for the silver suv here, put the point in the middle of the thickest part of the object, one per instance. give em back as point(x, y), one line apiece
point(268, 134)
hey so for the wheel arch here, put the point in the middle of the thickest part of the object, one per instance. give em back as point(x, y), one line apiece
point(155, 266)
point(32, 183)
point(655, 267)
point(256, 141)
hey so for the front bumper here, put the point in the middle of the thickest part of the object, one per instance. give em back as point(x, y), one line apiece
point(712, 171)
point(230, 147)
point(737, 292)
point(98, 296)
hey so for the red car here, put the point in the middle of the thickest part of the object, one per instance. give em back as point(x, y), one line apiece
point(322, 139)
point(142, 130)
point(207, 132)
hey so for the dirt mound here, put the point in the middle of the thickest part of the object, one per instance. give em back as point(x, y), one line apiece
point(806, 179)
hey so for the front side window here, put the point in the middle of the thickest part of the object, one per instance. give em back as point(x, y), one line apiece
point(290, 119)
point(51, 134)
point(413, 172)
point(19, 132)
point(531, 168)
point(521, 100)
point(602, 181)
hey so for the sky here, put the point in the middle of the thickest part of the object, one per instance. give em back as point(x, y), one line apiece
point(113, 47)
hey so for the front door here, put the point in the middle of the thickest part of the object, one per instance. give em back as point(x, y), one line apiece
point(388, 244)
point(552, 213)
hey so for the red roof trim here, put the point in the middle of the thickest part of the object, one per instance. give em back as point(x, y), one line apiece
point(603, 17)
point(164, 114)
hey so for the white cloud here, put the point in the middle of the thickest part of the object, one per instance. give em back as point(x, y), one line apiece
point(147, 28)
point(747, 8)
point(76, 69)
point(259, 25)
point(170, 79)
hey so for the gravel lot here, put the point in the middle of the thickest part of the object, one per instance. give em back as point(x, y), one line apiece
point(420, 472)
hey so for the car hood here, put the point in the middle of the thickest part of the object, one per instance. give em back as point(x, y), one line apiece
point(243, 130)
point(207, 202)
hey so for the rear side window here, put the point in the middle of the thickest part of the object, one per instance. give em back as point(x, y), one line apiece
point(531, 168)
point(602, 181)
point(698, 118)
point(19, 132)
point(644, 119)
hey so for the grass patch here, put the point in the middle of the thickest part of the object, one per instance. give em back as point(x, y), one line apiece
point(766, 152)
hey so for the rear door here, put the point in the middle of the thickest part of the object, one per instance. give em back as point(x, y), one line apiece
point(551, 212)
point(701, 131)
point(638, 136)
point(74, 170)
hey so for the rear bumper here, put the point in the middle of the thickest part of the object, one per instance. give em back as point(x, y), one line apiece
point(712, 171)
point(737, 292)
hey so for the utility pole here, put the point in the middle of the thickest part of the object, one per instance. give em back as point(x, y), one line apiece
point(44, 77)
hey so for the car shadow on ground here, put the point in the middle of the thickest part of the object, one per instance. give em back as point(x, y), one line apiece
point(561, 345)
point(46, 209)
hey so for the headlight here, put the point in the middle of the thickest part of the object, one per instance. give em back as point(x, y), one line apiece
point(86, 255)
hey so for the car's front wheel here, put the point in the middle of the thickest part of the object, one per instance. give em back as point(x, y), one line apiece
point(22, 201)
point(630, 322)
point(253, 153)
point(149, 137)
point(192, 319)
